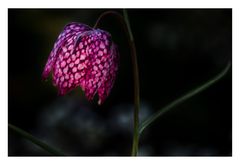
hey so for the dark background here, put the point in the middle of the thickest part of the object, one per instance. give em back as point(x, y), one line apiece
point(177, 49)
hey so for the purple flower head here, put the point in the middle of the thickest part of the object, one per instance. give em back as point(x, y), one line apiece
point(83, 57)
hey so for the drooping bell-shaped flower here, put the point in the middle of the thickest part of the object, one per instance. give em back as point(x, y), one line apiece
point(83, 57)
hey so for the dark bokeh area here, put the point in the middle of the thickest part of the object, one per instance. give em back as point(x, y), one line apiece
point(177, 49)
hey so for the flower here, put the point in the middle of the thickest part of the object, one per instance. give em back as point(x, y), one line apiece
point(85, 57)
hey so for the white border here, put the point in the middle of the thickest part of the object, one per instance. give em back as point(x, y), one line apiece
point(120, 4)
point(236, 82)
point(3, 82)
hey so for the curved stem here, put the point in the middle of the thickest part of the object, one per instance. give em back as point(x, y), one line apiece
point(126, 26)
point(36, 141)
point(136, 87)
point(185, 97)
point(110, 12)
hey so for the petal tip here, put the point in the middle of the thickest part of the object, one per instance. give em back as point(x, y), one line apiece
point(99, 102)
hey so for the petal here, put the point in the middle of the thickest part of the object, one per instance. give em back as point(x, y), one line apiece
point(83, 57)
point(67, 36)
point(111, 66)
point(96, 44)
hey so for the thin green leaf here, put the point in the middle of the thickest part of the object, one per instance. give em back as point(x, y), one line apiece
point(36, 141)
point(180, 100)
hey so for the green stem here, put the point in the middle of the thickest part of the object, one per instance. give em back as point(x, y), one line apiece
point(126, 26)
point(136, 87)
point(36, 141)
point(185, 97)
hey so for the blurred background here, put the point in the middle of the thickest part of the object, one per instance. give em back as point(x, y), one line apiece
point(177, 49)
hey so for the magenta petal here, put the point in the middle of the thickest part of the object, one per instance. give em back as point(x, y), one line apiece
point(110, 76)
point(97, 45)
point(67, 36)
point(83, 57)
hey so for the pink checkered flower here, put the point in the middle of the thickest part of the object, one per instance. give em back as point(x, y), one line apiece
point(83, 57)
